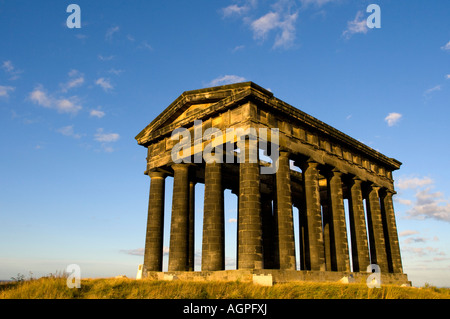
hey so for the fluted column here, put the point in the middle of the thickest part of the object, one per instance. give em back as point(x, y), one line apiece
point(387, 208)
point(285, 234)
point(153, 255)
point(358, 232)
point(339, 243)
point(179, 234)
point(249, 224)
point(376, 233)
point(213, 248)
point(316, 258)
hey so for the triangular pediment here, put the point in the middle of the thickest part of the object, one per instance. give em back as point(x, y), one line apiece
point(196, 102)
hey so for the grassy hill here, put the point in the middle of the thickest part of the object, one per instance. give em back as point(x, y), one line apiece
point(123, 288)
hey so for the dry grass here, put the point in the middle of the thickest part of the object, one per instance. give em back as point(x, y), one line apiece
point(55, 288)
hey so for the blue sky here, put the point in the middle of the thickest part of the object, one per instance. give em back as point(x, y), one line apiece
point(72, 188)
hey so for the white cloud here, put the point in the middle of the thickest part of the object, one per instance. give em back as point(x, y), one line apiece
point(413, 182)
point(317, 3)
point(105, 58)
point(110, 32)
point(427, 204)
point(106, 137)
point(76, 80)
point(226, 79)
point(357, 25)
point(9, 68)
point(134, 252)
point(238, 48)
point(104, 83)
point(403, 201)
point(446, 47)
point(234, 9)
point(284, 24)
point(97, 113)
point(392, 118)
point(430, 205)
point(423, 251)
point(407, 233)
point(433, 89)
point(264, 24)
point(68, 131)
point(145, 45)
point(62, 105)
point(232, 220)
point(4, 90)
point(115, 71)
point(40, 97)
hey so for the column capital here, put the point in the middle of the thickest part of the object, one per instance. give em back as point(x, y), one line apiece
point(180, 166)
point(387, 192)
point(156, 174)
point(336, 172)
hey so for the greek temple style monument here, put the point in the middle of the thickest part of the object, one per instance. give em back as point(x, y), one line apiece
point(223, 137)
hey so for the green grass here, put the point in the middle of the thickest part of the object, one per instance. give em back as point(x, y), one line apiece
point(55, 288)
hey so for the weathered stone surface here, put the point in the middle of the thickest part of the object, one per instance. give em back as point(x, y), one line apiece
point(153, 256)
point(179, 233)
point(213, 248)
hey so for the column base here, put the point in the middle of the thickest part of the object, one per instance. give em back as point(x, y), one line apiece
point(277, 276)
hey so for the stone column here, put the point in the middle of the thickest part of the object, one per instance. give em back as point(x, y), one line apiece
point(358, 232)
point(153, 255)
point(376, 233)
point(249, 224)
point(213, 247)
point(316, 258)
point(327, 225)
point(179, 234)
point(339, 243)
point(285, 234)
point(191, 226)
point(387, 208)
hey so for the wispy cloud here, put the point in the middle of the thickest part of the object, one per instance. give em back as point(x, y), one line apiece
point(97, 113)
point(283, 24)
point(105, 84)
point(355, 26)
point(5, 90)
point(62, 105)
point(76, 79)
point(235, 10)
point(317, 3)
point(433, 89)
point(407, 233)
point(280, 20)
point(428, 204)
point(68, 131)
point(413, 182)
point(106, 139)
point(105, 58)
point(226, 79)
point(9, 68)
point(145, 45)
point(110, 32)
point(393, 118)
point(446, 47)
point(134, 252)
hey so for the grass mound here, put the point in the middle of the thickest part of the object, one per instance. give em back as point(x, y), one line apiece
point(123, 288)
